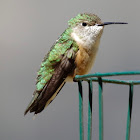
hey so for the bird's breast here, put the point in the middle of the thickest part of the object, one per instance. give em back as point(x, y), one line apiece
point(85, 59)
point(85, 56)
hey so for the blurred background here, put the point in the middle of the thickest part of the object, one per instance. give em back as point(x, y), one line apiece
point(28, 28)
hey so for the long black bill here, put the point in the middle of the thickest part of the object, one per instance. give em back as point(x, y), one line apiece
point(108, 23)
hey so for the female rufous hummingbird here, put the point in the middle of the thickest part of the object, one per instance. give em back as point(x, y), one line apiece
point(72, 54)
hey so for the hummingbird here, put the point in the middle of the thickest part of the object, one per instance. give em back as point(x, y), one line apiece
point(72, 54)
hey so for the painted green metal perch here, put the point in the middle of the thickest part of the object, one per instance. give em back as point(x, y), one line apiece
point(99, 77)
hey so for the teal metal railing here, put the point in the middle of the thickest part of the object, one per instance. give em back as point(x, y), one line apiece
point(99, 77)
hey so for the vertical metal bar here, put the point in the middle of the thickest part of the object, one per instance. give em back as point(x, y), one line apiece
point(81, 128)
point(128, 126)
point(89, 134)
point(100, 109)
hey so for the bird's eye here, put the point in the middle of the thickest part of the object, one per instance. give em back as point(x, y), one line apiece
point(84, 24)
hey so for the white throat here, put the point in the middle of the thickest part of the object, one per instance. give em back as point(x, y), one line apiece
point(88, 36)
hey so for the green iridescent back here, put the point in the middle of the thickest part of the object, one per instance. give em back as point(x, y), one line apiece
point(53, 58)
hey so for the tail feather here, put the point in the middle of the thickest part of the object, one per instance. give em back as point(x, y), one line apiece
point(31, 104)
point(38, 105)
point(53, 86)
